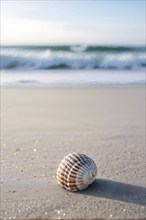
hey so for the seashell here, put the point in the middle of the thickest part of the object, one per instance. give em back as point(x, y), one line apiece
point(76, 172)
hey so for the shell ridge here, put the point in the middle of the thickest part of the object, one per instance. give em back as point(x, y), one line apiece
point(75, 159)
point(78, 157)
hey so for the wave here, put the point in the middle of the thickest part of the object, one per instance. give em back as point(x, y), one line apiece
point(72, 57)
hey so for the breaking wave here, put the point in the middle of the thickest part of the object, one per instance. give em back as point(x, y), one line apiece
point(72, 57)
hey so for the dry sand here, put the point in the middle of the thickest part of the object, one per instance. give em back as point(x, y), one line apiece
point(41, 126)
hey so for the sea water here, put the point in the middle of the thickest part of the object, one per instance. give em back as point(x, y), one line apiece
point(67, 66)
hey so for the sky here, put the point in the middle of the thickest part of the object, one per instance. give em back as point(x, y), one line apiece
point(100, 22)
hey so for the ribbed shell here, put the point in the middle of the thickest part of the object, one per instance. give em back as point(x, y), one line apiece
point(76, 172)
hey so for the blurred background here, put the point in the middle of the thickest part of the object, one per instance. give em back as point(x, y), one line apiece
point(72, 43)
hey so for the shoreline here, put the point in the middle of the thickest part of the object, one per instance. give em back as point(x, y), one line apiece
point(76, 87)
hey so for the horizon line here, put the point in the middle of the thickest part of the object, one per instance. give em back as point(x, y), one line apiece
point(74, 44)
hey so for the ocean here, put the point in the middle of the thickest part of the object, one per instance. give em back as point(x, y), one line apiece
point(71, 66)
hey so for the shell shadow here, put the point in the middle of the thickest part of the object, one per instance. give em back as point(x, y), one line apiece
point(117, 191)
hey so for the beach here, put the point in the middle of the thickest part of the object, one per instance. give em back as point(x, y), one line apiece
point(39, 126)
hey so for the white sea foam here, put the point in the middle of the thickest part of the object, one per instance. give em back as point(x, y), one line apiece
point(72, 78)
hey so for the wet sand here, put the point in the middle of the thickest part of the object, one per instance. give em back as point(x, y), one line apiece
point(40, 126)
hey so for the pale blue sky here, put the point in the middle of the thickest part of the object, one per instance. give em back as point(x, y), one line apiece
point(73, 22)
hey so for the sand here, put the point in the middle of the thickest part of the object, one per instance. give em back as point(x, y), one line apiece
point(41, 125)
